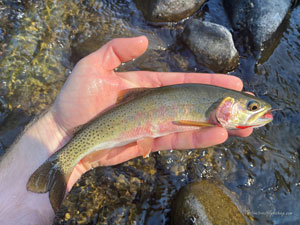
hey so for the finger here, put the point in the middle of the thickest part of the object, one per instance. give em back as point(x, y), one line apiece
point(118, 50)
point(241, 133)
point(202, 138)
point(157, 79)
point(186, 140)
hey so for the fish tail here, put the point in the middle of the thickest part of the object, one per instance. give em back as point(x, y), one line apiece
point(49, 177)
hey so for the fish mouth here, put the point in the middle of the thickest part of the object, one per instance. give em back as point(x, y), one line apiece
point(261, 118)
point(268, 114)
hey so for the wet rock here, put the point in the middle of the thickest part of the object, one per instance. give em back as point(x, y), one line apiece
point(168, 11)
point(205, 202)
point(212, 45)
point(258, 20)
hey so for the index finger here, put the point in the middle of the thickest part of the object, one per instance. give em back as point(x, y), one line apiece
point(157, 79)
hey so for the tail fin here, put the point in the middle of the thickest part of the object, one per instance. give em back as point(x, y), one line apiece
point(49, 177)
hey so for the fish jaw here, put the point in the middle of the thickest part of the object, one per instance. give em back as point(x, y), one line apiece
point(262, 118)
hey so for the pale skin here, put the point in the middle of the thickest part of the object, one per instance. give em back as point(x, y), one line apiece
point(92, 87)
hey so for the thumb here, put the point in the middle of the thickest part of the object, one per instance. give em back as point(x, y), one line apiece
point(119, 50)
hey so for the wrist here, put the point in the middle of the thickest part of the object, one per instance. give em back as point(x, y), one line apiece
point(49, 133)
point(40, 139)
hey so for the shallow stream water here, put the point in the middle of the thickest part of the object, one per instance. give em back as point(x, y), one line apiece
point(40, 42)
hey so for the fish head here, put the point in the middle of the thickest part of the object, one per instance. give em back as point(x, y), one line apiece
point(243, 112)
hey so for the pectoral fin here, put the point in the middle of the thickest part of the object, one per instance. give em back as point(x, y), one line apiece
point(192, 123)
point(145, 146)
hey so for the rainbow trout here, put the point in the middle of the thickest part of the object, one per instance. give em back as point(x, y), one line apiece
point(144, 114)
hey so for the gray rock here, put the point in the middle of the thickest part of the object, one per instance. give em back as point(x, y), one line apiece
point(168, 10)
point(258, 20)
point(205, 203)
point(212, 45)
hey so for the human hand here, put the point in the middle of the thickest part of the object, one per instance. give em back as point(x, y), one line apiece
point(93, 86)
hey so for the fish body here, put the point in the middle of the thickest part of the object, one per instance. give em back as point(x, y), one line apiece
point(149, 113)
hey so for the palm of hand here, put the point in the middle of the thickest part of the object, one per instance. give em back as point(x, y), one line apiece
point(89, 91)
point(93, 86)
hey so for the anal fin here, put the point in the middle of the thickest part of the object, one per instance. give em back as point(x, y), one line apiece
point(57, 191)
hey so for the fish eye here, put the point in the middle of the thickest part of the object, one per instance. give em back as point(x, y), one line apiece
point(253, 105)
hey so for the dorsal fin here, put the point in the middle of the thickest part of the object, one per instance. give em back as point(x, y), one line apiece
point(129, 94)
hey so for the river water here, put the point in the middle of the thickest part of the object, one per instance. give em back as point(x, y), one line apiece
point(41, 41)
